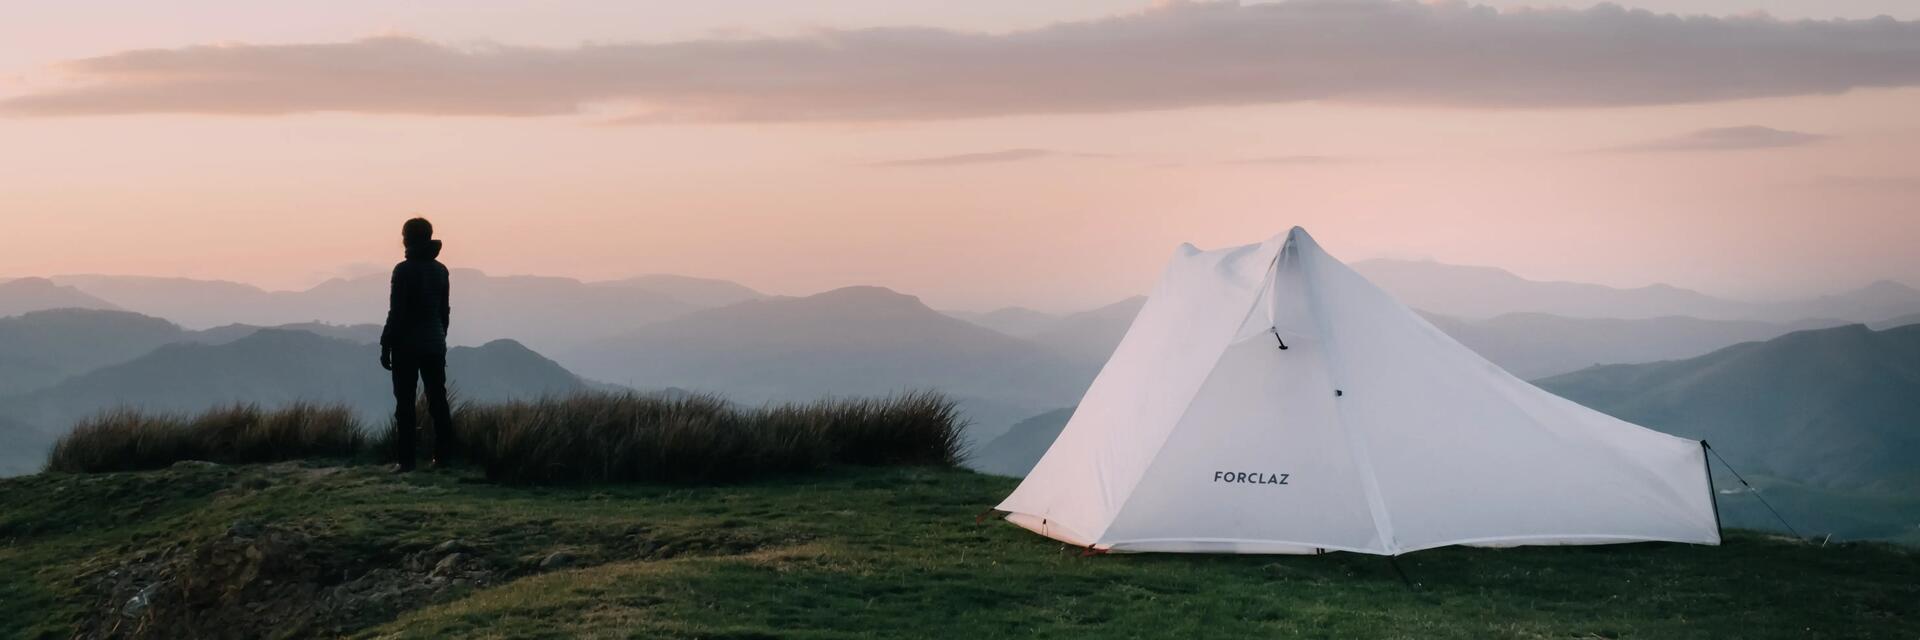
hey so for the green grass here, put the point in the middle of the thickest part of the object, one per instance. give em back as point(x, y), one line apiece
point(895, 552)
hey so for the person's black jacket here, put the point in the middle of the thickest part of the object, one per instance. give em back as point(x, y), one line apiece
point(417, 309)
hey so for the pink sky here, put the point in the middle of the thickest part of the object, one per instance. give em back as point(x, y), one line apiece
point(991, 160)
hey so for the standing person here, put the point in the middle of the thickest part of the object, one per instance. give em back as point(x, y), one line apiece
point(413, 345)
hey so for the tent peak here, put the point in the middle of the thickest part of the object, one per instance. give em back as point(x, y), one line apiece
point(1294, 240)
point(1297, 234)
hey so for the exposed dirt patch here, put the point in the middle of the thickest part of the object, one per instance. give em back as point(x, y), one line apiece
point(272, 581)
point(266, 582)
point(340, 570)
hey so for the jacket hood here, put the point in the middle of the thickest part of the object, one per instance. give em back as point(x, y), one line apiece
point(424, 250)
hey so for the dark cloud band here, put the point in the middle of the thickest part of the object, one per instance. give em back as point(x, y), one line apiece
point(1176, 56)
point(1727, 139)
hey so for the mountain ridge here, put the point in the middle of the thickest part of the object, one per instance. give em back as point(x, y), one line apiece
point(25, 295)
point(1537, 345)
point(549, 313)
point(851, 341)
point(1480, 292)
point(1836, 407)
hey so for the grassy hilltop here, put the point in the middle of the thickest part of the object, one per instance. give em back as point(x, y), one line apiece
point(622, 515)
point(304, 549)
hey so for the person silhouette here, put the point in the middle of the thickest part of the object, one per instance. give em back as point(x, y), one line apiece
point(413, 344)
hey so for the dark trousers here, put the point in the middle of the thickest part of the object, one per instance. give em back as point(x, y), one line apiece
point(407, 369)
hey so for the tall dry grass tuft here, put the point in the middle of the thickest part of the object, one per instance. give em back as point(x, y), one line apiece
point(919, 428)
point(585, 437)
point(621, 437)
point(129, 440)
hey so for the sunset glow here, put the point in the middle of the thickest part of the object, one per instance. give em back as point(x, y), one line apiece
point(935, 183)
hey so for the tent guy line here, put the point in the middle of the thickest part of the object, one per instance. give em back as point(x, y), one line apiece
point(1750, 489)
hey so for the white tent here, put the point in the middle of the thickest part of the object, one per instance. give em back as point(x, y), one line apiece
point(1370, 431)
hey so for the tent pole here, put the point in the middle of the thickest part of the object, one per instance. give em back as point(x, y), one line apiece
point(1713, 494)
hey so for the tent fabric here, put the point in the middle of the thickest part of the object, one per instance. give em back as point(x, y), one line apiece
point(1371, 432)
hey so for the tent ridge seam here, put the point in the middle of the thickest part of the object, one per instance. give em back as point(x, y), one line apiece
point(1356, 442)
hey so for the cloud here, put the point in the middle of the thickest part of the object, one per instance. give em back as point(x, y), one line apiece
point(1727, 139)
point(1888, 184)
point(1258, 161)
point(1175, 55)
point(988, 157)
point(1286, 160)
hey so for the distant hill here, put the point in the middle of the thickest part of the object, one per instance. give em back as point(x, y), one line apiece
point(852, 341)
point(704, 293)
point(546, 313)
point(1875, 303)
point(549, 314)
point(1833, 407)
point(1015, 452)
point(1485, 292)
point(1019, 322)
point(1084, 340)
point(188, 302)
point(1089, 337)
point(503, 370)
point(22, 446)
point(41, 348)
point(1536, 345)
point(24, 295)
point(1895, 322)
point(270, 367)
point(356, 333)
